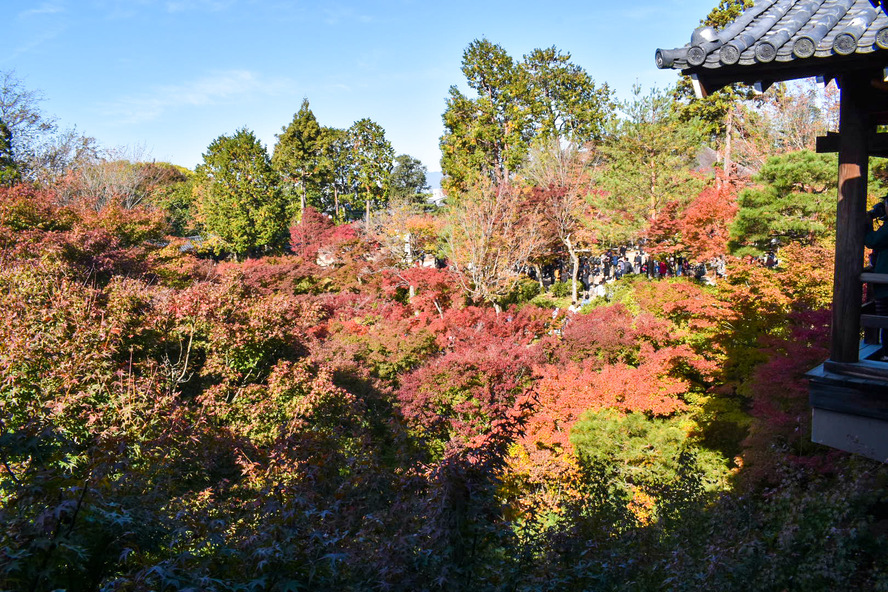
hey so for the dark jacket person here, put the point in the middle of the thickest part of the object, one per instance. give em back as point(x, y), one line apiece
point(877, 240)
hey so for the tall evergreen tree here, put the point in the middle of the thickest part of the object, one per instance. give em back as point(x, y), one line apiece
point(565, 103)
point(409, 178)
point(647, 158)
point(544, 97)
point(486, 137)
point(338, 163)
point(372, 157)
point(715, 111)
point(240, 200)
point(299, 155)
point(8, 171)
point(793, 202)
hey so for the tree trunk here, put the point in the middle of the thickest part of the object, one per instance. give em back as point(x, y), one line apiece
point(575, 261)
point(367, 213)
point(729, 131)
point(653, 190)
point(303, 200)
point(539, 272)
point(336, 203)
point(408, 249)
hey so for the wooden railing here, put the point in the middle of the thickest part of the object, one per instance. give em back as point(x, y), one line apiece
point(867, 366)
point(871, 363)
point(868, 319)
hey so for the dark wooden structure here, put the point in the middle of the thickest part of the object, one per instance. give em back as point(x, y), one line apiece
point(846, 41)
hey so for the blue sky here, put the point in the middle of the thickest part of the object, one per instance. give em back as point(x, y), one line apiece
point(169, 76)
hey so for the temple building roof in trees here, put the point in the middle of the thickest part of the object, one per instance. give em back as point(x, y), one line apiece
point(785, 39)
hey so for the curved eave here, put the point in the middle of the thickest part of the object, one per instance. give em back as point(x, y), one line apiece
point(785, 39)
point(712, 79)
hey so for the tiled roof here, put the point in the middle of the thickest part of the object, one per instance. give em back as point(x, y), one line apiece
point(784, 31)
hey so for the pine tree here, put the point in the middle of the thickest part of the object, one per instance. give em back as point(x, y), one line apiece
point(794, 202)
point(544, 98)
point(337, 162)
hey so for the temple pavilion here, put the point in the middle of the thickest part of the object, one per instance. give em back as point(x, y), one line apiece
point(845, 41)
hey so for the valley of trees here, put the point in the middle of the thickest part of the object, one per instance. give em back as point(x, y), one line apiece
point(287, 370)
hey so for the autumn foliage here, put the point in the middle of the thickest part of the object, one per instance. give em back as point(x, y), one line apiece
point(333, 418)
point(700, 228)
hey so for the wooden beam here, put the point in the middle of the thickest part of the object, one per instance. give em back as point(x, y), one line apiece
point(828, 144)
point(874, 278)
point(762, 86)
point(869, 369)
point(877, 144)
point(856, 388)
point(851, 217)
point(874, 321)
point(700, 91)
point(871, 334)
point(835, 66)
point(851, 432)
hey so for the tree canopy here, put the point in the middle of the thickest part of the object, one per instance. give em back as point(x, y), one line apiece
point(8, 170)
point(41, 151)
point(543, 97)
point(794, 202)
point(648, 157)
point(399, 404)
point(408, 179)
point(239, 197)
point(299, 156)
point(372, 158)
point(713, 110)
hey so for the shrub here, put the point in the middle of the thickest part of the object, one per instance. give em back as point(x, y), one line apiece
point(561, 289)
point(525, 291)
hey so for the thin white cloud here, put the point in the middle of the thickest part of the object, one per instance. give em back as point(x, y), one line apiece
point(32, 43)
point(37, 26)
point(120, 9)
point(338, 14)
point(123, 9)
point(338, 86)
point(221, 87)
point(211, 5)
point(45, 8)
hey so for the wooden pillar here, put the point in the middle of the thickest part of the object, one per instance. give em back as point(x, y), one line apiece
point(851, 218)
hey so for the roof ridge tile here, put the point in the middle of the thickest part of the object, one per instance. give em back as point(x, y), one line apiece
point(790, 24)
point(786, 31)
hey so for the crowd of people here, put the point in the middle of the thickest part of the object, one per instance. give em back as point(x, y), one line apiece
point(613, 264)
point(597, 271)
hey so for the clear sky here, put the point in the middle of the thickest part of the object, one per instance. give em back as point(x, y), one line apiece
point(169, 76)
